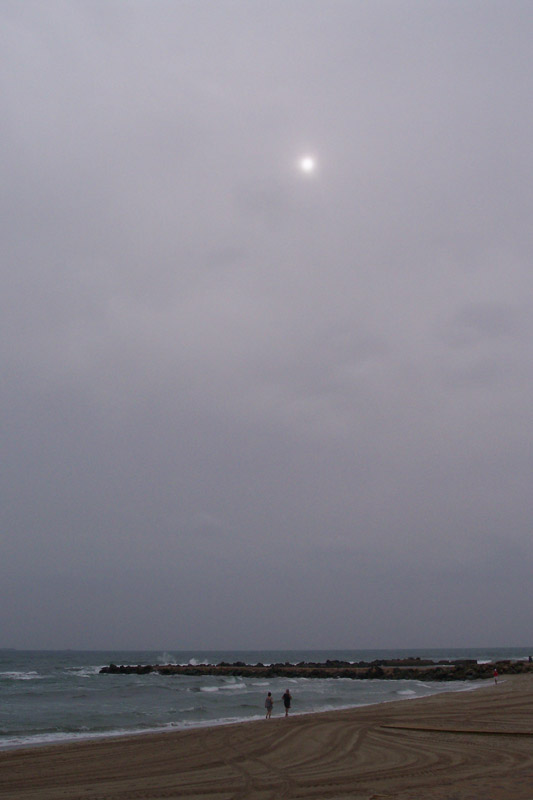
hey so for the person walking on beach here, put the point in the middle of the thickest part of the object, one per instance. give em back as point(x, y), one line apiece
point(495, 676)
point(268, 705)
point(287, 701)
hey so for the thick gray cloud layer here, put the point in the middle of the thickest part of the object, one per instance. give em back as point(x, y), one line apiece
point(244, 406)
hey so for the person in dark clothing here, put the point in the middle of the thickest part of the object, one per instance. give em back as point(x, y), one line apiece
point(287, 701)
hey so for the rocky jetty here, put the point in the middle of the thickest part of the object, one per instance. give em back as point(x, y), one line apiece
point(389, 669)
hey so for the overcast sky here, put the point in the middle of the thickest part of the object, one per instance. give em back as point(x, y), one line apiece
point(245, 405)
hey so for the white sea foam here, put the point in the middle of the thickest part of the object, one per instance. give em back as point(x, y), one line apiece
point(69, 736)
point(22, 676)
point(234, 686)
point(83, 672)
point(166, 658)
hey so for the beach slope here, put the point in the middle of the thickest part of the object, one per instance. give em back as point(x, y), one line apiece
point(469, 745)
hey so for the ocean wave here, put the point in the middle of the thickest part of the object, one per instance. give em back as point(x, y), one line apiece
point(83, 672)
point(234, 686)
point(22, 676)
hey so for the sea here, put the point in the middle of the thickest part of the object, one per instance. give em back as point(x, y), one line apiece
point(49, 696)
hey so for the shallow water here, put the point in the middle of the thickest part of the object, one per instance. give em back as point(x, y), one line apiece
point(49, 696)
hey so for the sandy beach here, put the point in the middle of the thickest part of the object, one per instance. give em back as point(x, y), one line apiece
point(474, 745)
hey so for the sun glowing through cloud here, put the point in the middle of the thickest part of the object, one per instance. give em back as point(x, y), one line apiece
point(307, 164)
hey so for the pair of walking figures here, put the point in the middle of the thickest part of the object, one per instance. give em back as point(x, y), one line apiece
point(269, 703)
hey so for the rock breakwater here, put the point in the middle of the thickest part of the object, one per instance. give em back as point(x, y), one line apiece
point(389, 669)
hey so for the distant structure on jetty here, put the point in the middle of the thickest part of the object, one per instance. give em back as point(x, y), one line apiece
point(386, 669)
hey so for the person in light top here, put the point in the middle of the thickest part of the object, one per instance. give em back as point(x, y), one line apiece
point(268, 705)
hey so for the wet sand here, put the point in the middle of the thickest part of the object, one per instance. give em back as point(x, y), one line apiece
point(475, 745)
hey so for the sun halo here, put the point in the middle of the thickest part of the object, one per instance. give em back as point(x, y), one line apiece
point(307, 164)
